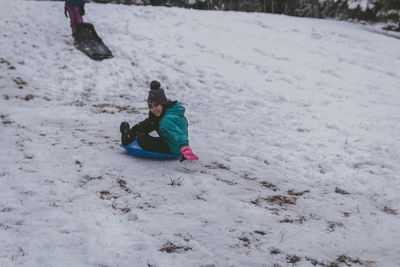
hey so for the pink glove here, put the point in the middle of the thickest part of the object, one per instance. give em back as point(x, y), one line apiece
point(188, 154)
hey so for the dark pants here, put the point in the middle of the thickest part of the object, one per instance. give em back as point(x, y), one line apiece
point(154, 144)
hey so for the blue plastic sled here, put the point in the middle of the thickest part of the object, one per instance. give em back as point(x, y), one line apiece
point(136, 150)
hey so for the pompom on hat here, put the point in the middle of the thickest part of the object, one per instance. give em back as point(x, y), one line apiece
point(156, 94)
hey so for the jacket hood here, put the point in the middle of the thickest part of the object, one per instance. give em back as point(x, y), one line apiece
point(176, 109)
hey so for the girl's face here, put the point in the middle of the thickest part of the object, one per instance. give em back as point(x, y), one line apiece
point(156, 109)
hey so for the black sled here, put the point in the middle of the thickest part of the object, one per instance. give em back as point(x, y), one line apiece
point(87, 41)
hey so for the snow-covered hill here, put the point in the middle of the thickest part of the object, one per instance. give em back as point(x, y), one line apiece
point(296, 123)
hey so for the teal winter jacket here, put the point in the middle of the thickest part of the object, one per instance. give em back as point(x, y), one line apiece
point(173, 128)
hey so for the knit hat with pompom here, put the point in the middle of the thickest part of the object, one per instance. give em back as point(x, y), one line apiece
point(156, 94)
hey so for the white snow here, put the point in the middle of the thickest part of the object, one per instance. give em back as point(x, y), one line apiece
point(363, 4)
point(274, 104)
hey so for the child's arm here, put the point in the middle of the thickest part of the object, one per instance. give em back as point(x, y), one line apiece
point(175, 131)
point(146, 126)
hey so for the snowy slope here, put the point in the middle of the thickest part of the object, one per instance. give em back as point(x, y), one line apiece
point(296, 123)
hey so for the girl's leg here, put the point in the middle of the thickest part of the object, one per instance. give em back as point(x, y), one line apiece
point(78, 17)
point(153, 144)
point(71, 15)
point(74, 17)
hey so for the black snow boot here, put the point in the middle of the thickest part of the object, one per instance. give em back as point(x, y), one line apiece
point(125, 129)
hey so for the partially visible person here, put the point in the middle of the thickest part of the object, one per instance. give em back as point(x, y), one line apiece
point(168, 119)
point(75, 9)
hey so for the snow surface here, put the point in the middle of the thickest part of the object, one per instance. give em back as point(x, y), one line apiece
point(296, 123)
